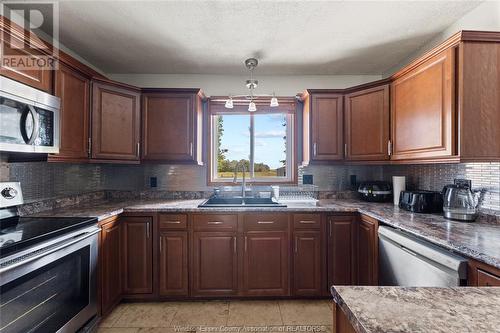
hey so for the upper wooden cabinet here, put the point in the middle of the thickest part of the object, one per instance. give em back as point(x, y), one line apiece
point(172, 125)
point(423, 109)
point(367, 124)
point(479, 100)
point(73, 88)
point(323, 126)
point(39, 78)
point(115, 122)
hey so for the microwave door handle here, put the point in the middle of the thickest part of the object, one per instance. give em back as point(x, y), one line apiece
point(36, 125)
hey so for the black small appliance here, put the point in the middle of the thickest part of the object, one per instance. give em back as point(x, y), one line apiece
point(375, 191)
point(421, 201)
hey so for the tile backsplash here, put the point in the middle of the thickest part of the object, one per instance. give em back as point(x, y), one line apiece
point(484, 176)
point(42, 180)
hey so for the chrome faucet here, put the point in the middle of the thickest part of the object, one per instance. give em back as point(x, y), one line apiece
point(240, 165)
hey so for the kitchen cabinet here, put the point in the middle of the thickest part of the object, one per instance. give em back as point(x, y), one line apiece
point(423, 110)
point(73, 88)
point(172, 125)
point(37, 77)
point(307, 263)
point(110, 268)
point(173, 277)
point(115, 122)
point(265, 263)
point(215, 264)
point(482, 275)
point(137, 255)
point(341, 322)
point(367, 124)
point(367, 251)
point(323, 126)
point(341, 251)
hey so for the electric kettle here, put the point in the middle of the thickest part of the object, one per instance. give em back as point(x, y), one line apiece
point(460, 203)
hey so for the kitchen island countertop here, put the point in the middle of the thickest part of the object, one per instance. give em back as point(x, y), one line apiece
point(404, 309)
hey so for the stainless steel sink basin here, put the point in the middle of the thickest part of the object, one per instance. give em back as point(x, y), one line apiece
point(240, 202)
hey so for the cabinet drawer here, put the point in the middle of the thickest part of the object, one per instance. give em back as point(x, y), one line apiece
point(219, 222)
point(306, 221)
point(173, 221)
point(486, 279)
point(266, 221)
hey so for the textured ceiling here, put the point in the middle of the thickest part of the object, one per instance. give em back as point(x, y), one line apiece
point(288, 37)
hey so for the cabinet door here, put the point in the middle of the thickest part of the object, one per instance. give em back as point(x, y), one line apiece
point(265, 263)
point(307, 263)
point(367, 256)
point(169, 127)
point(327, 127)
point(423, 110)
point(215, 264)
point(173, 263)
point(367, 124)
point(486, 279)
point(341, 250)
point(111, 286)
point(115, 123)
point(137, 253)
point(74, 91)
point(39, 78)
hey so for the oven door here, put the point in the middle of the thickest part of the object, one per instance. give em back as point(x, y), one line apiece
point(51, 292)
point(29, 119)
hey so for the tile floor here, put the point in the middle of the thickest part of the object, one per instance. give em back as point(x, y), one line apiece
point(315, 316)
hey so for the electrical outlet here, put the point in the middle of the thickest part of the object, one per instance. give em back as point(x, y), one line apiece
point(307, 179)
point(153, 182)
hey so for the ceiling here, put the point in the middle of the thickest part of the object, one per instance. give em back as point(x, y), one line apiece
point(288, 37)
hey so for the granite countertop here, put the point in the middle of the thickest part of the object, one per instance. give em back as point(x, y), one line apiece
point(479, 240)
point(404, 309)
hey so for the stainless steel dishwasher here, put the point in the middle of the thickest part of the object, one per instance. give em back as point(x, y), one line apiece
point(405, 260)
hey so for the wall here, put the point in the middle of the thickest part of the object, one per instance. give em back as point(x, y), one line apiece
point(485, 17)
point(223, 85)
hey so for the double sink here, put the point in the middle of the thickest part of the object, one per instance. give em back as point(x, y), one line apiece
point(240, 202)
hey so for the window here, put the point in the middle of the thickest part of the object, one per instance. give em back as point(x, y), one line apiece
point(262, 141)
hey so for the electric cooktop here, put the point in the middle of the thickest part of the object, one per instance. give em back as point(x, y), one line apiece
point(18, 233)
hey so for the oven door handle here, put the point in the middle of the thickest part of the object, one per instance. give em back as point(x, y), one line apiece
point(44, 252)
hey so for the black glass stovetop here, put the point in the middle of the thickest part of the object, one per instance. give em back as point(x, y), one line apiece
point(19, 233)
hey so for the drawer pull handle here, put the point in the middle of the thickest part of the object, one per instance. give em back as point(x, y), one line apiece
point(307, 222)
point(265, 222)
point(215, 222)
point(173, 222)
point(234, 244)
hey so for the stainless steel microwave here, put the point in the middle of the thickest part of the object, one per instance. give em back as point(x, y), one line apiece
point(29, 119)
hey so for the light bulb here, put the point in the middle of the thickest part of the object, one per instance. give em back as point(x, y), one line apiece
point(252, 107)
point(274, 102)
point(229, 104)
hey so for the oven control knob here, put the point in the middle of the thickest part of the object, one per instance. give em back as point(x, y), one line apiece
point(9, 193)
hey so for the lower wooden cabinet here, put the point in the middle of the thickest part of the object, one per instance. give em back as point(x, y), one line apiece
point(215, 264)
point(110, 270)
point(482, 275)
point(265, 263)
point(137, 255)
point(367, 251)
point(307, 263)
point(341, 250)
point(173, 275)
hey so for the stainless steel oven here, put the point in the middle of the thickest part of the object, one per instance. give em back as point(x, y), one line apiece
point(29, 119)
point(50, 287)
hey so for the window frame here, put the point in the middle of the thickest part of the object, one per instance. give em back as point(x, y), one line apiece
point(287, 105)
